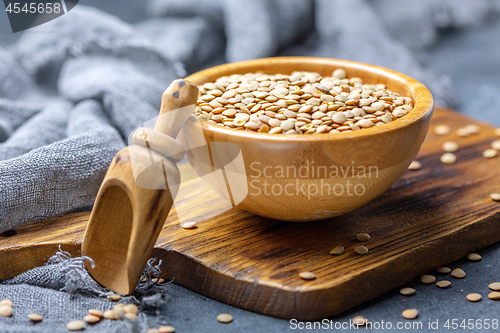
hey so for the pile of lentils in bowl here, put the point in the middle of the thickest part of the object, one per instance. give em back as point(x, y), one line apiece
point(299, 103)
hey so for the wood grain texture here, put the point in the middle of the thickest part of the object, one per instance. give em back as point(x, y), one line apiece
point(389, 149)
point(427, 219)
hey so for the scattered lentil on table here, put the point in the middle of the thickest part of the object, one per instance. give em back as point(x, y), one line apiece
point(494, 286)
point(410, 314)
point(225, 318)
point(299, 103)
point(166, 329)
point(359, 321)
point(458, 273)
point(443, 284)
point(407, 291)
point(428, 279)
point(443, 270)
point(474, 297)
point(495, 295)
point(473, 257)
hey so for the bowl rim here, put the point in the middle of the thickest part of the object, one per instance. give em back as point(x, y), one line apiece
point(423, 99)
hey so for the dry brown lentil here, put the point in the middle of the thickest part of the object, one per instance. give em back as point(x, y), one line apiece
point(473, 257)
point(428, 279)
point(490, 153)
point(304, 93)
point(415, 165)
point(407, 291)
point(450, 146)
point(361, 249)
point(458, 273)
point(6, 311)
point(91, 319)
point(96, 312)
point(189, 225)
point(35, 317)
point(75, 325)
point(109, 314)
point(225, 318)
point(495, 286)
point(496, 145)
point(166, 329)
point(359, 321)
point(114, 297)
point(474, 297)
point(363, 237)
point(443, 284)
point(410, 314)
point(6, 302)
point(443, 270)
point(442, 130)
point(337, 250)
point(495, 295)
point(307, 275)
point(448, 158)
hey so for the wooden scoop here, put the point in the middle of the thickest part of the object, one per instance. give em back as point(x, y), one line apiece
point(137, 194)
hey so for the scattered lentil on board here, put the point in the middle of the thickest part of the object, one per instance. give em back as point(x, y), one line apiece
point(442, 130)
point(361, 249)
point(448, 158)
point(337, 250)
point(307, 275)
point(495, 196)
point(496, 145)
point(410, 314)
point(490, 153)
point(363, 237)
point(497, 131)
point(189, 225)
point(407, 291)
point(450, 146)
point(415, 165)
point(336, 103)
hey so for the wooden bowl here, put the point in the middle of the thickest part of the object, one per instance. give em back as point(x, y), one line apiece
point(314, 177)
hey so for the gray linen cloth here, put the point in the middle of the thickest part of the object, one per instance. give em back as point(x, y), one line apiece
point(73, 89)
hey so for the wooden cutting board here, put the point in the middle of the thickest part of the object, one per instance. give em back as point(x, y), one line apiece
point(429, 218)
